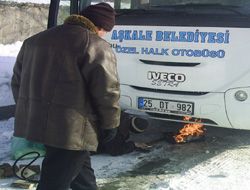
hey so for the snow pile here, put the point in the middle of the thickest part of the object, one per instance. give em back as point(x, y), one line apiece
point(10, 50)
point(8, 55)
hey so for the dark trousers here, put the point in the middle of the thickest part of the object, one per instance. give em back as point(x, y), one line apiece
point(64, 169)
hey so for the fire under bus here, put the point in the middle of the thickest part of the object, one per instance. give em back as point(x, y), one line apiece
point(183, 58)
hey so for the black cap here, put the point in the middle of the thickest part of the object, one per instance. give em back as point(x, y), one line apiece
point(102, 15)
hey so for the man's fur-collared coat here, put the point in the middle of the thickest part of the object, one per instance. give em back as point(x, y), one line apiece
point(66, 86)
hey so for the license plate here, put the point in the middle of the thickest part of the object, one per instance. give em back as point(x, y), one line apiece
point(165, 106)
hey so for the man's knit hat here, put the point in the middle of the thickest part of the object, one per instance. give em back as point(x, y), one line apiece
point(101, 14)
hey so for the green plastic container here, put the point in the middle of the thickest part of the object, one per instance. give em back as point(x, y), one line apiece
point(21, 146)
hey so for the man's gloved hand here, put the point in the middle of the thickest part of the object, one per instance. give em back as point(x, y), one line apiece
point(108, 135)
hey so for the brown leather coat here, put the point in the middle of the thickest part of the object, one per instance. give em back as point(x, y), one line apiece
point(66, 86)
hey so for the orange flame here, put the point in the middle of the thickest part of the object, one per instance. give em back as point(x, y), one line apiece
point(190, 129)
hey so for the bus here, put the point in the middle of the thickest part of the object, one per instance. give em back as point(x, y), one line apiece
point(179, 58)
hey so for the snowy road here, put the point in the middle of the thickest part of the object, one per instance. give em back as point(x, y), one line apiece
point(220, 162)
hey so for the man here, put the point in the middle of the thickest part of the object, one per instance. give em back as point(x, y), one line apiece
point(66, 89)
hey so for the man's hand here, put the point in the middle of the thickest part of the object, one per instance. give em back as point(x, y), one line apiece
point(108, 135)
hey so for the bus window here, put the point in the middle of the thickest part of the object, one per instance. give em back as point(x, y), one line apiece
point(64, 11)
point(162, 4)
point(125, 4)
point(131, 4)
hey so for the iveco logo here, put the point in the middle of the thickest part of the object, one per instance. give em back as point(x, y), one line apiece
point(171, 77)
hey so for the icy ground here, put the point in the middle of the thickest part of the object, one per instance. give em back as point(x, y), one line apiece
point(104, 165)
point(220, 162)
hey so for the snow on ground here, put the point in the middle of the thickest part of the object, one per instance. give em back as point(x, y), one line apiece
point(226, 171)
point(6, 131)
point(105, 166)
point(8, 55)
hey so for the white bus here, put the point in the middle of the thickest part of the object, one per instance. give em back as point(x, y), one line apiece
point(185, 58)
point(181, 58)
